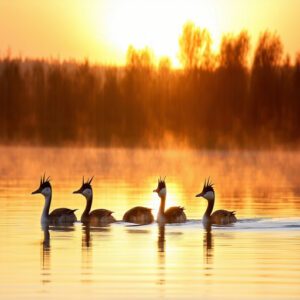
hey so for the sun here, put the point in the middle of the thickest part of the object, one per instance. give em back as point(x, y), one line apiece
point(154, 24)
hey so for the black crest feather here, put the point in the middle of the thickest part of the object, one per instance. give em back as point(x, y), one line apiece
point(45, 182)
point(86, 184)
point(208, 186)
point(161, 183)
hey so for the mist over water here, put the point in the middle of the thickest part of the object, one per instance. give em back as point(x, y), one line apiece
point(237, 167)
point(255, 183)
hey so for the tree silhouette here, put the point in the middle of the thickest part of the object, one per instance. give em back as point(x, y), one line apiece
point(195, 47)
point(216, 100)
point(266, 99)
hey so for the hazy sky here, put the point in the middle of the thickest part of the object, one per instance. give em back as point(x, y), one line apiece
point(101, 30)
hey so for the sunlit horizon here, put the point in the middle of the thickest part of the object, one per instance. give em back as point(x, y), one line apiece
point(101, 31)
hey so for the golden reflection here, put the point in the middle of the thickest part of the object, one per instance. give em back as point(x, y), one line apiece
point(152, 258)
point(87, 257)
point(45, 256)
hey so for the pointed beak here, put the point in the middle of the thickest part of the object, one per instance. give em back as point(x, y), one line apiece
point(36, 192)
point(199, 195)
point(77, 192)
point(155, 191)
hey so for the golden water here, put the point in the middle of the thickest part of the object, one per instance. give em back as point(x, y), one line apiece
point(257, 258)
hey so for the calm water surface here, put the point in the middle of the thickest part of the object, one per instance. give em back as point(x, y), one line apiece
point(256, 258)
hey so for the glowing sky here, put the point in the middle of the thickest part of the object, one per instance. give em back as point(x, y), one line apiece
point(101, 30)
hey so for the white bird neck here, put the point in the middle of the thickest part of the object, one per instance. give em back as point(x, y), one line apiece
point(161, 211)
point(45, 213)
point(209, 208)
point(89, 201)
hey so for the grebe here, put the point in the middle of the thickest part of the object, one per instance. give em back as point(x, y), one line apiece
point(98, 216)
point(173, 214)
point(58, 216)
point(219, 217)
point(139, 215)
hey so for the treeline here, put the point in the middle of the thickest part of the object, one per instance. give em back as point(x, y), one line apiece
point(215, 100)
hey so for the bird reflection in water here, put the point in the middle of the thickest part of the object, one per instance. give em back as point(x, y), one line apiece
point(45, 255)
point(161, 255)
point(161, 238)
point(46, 249)
point(87, 249)
point(86, 236)
point(207, 244)
point(86, 254)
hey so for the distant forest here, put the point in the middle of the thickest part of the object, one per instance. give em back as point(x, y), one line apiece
point(214, 101)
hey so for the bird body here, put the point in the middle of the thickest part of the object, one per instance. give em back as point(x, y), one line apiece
point(97, 217)
point(62, 216)
point(139, 215)
point(174, 214)
point(219, 217)
point(59, 216)
point(101, 216)
point(223, 217)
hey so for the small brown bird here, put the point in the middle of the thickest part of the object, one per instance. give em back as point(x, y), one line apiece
point(97, 217)
point(174, 214)
point(219, 217)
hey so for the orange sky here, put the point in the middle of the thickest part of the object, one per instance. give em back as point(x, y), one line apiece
point(101, 30)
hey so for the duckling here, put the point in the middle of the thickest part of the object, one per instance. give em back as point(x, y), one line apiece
point(173, 214)
point(59, 216)
point(219, 217)
point(98, 216)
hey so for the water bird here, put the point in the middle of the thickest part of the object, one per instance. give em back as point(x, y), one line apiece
point(59, 216)
point(219, 217)
point(174, 214)
point(97, 217)
point(139, 215)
